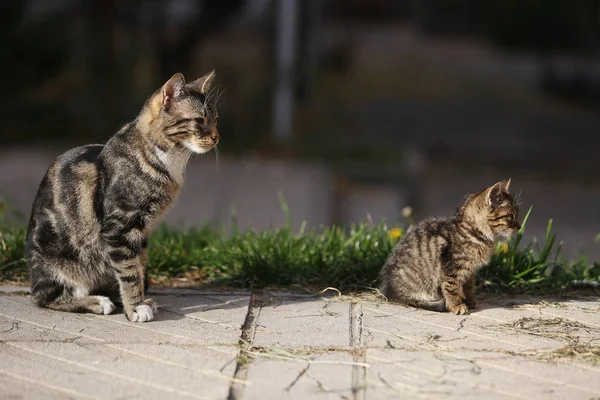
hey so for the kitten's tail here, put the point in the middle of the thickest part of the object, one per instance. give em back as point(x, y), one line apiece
point(391, 295)
point(432, 305)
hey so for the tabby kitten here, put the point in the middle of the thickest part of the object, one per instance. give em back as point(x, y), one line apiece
point(93, 212)
point(435, 264)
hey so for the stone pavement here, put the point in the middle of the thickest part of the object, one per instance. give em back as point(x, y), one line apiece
point(273, 345)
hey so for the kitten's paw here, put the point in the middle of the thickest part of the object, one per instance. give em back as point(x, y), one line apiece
point(141, 313)
point(105, 306)
point(460, 309)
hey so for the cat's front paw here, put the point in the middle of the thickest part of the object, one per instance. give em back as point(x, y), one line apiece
point(142, 313)
point(104, 306)
point(152, 304)
point(460, 309)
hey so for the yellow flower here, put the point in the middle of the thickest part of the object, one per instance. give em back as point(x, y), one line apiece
point(503, 248)
point(395, 233)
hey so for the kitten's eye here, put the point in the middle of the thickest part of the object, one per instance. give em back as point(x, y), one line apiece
point(201, 121)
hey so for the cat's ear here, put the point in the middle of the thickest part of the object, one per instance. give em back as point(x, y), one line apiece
point(174, 88)
point(505, 185)
point(203, 84)
point(494, 194)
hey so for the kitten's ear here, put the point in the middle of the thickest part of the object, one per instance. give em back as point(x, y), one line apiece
point(505, 185)
point(494, 194)
point(174, 88)
point(203, 84)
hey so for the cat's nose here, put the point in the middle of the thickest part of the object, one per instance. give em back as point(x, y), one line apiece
point(516, 225)
point(215, 136)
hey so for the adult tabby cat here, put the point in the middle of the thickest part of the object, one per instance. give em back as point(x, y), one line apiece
point(88, 232)
point(435, 264)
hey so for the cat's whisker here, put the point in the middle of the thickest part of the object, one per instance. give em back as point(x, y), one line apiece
point(219, 98)
point(209, 95)
point(214, 92)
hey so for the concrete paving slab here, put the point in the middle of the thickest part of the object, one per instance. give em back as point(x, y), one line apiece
point(211, 345)
point(583, 379)
point(320, 376)
point(298, 323)
point(483, 374)
point(68, 378)
point(391, 325)
point(16, 387)
point(180, 369)
point(226, 312)
point(396, 373)
point(584, 312)
point(159, 373)
point(162, 329)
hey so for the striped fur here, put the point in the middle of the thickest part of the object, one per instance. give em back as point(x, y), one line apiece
point(94, 210)
point(435, 264)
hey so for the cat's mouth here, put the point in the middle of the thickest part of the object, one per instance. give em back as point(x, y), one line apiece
point(203, 144)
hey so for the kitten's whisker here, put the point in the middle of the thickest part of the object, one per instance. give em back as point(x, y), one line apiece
point(517, 199)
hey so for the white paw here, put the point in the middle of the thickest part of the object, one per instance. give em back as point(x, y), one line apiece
point(142, 313)
point(107, 306)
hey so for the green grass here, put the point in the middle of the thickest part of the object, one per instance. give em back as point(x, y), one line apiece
point(537, 266)
point(327, 257)
point(348, 259)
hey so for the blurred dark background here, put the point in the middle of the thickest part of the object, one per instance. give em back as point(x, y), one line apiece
point(351, 109)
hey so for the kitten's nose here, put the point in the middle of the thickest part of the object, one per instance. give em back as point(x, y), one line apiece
point(517, 225)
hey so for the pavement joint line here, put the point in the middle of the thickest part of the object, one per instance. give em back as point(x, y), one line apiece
point(109, 373)
point(248, 331)
point(359, 372)
point(303, 360)
point(47, 385)
point(119, 348)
